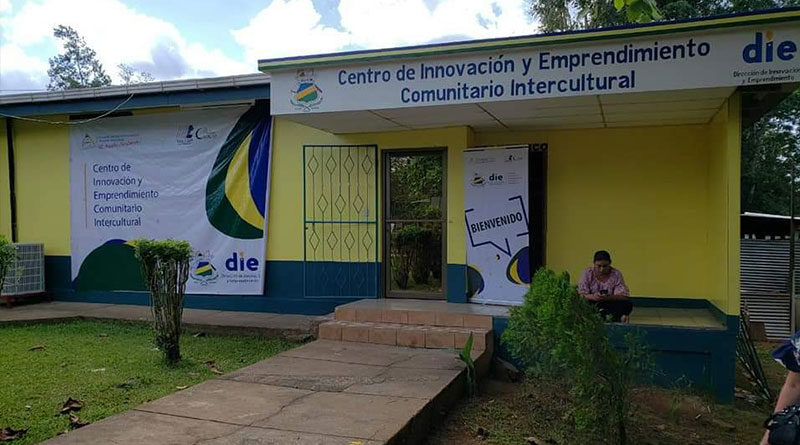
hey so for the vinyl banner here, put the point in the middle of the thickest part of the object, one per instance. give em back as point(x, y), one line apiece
point(200, 176)
point(496, 215)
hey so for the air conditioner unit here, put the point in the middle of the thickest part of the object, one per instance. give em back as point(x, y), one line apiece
point(26, 276)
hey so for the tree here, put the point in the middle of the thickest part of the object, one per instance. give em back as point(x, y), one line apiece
point(77, 66)
point(770, 151)
point(639, 11)
point(131, 75)
point(565, 15)
point(165, 267)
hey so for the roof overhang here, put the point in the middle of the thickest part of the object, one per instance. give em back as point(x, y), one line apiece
point(684, 107)
point(170, 93)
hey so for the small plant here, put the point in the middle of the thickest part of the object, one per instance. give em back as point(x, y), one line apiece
point(165, 267)
point(466, 356)
point(555, 332)
point(8, 256)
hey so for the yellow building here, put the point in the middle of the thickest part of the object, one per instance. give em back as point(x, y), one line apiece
point(632, 134)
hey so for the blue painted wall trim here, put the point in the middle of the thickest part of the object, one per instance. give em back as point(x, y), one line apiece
point(284, 293)
point(681, 303)
point(333, 279)
point(138, 101)
point(457, 283)
point(685, 357)
point(246, 303)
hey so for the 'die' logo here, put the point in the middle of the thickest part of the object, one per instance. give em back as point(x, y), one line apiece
point(307, 95)
point(492, 179)
point(766, 51)
point(238, 262)
point(187, 134)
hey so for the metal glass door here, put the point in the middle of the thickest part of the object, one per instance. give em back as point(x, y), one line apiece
point(414, 224)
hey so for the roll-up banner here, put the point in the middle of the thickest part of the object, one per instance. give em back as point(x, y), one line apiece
point(200, 176)
point(496, 217)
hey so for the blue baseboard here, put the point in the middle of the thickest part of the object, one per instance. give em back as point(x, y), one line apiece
point(288, 287)
point(244, 303)
point(457, 283)
point(684, 357)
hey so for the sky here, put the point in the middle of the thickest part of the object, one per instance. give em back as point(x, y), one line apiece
point(178, 39)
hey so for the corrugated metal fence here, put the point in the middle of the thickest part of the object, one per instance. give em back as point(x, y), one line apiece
point(765, 283)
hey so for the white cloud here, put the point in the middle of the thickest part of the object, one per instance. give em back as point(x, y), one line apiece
point(292, 27)
point(287, 28)
point(118, 34)
point(19, 71)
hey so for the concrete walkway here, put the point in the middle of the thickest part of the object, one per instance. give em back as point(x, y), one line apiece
point(211, 321)
point(325, 392)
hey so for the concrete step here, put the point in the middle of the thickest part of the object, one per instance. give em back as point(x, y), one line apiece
point(416, 312)
point(414, 336)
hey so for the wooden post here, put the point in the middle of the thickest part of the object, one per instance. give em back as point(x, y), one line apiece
point(793, 304)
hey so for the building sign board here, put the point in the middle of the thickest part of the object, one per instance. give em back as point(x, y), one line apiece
point(686, 60)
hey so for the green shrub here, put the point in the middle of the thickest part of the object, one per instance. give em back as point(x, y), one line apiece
point(165, 267)
point(556, 332)
point(8, 256)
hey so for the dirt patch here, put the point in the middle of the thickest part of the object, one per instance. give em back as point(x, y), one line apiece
point(511, 413)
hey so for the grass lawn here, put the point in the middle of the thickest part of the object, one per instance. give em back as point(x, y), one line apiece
point(110, 366)
point(509, 413)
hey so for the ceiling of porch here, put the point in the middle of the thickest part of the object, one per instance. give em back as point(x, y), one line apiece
point(602, 111)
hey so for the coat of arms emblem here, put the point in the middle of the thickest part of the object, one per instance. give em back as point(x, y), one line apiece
point(307, 95)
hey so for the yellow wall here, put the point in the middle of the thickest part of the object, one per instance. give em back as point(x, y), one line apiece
point(285, 234)
point(663, 200)
point(5, 197)
point(724, 170)
point(41, 157)
point(653, 197)
point(636, 192)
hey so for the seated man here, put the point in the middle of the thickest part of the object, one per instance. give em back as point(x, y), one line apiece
point(605, 288)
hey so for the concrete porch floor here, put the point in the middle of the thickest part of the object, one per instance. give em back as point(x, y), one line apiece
point(324, 392)
point(211, 321)
point(641, 315)
point(283, 324)
point(697, 318)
